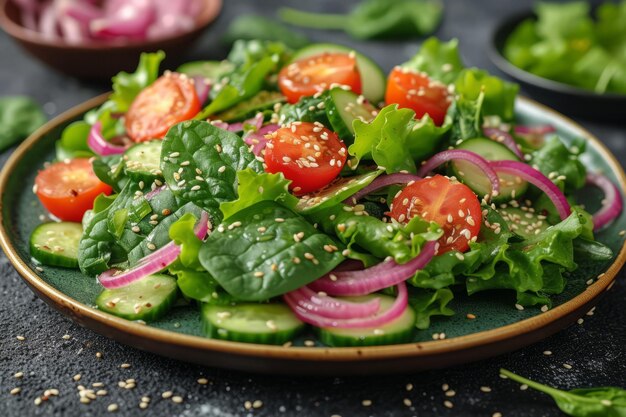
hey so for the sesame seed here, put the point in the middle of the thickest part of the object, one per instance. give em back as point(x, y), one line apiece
point(125, 366)
point(445, 387)
point(567, 366)
point(15, 391)
point(221, 169)
point(37, 401)
point(309, 343)
point(366, 403)
point(136, 229)
point(547, 352)
point(409, 387)
point(112, 408)
point(77, 377)
point(450, 393)
point(143, 405)
point(279, 220)
point(98, 355)
point(257, 404)
point(407, 402)
point(580, 321)
point(523, 387)
point(259, 274)
point(485, 389)
point(448, 404)
point(519, 307)
point(167, 394)
point(544, 308)
point(101, 392)
point(608, 403)
point(20, 338)
point(203, 381)
point(177, 399)
point(195, 188)
point(470, 316)
point(496, 414)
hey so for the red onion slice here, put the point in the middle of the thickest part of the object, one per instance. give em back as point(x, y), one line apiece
point(534, 135)
point(504, 138)
point(465, 155)
point(202, 86)
point(99, 144)
point(257, 139)
point(325, 306)
point(612, 204)
point(151, 264)
point(380, 183)
point(395, 311)
point(383, 275)
point(536, 178)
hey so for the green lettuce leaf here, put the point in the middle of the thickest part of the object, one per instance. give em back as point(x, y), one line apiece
point(267, 250)
point(440, 60)
point(73, 142)
point(254, 187)
point(561, 163)
point(499, 95)
point(395, 139)
point(427, 304)
point(126, 86)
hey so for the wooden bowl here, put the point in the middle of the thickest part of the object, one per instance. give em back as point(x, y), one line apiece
point(101, 60)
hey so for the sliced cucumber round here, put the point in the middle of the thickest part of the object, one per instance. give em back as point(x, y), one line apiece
point(56, 244)
point(511, 186)
point(524, 222)
point(342, 108)
point(270, 324)
point(143, 161)
point(400, 330)
point(372, 76)
point(146, 299)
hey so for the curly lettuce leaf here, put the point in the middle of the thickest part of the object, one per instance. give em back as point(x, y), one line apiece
point(394, 140)
point(499, 95)
point(267, 250)
point(427, 304)
point(254, 187)
point(561, 163)
point(440, 60)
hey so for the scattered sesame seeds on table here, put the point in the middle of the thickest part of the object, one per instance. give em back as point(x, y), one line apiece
point(50, 366)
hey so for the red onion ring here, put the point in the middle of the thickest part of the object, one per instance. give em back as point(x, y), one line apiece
point(257, 139)
point(376, 278)
point(534, 130)
point(536, 178)
point(379, 183)
point(151, 264)
point(99, 144)
point(612, 204)
point(203, 87)
point(465, 155)
point(329, 307)
point(504, 138)
point(395, 311)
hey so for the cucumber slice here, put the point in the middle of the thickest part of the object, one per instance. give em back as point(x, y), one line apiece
point(399, 330)
point(524, 222)
point(265, 100)
point(56, 244)
point(342, 108)
point(511, 186)
point(372, 76)
point(147, 299)
point(143, 161)
point(270, 324)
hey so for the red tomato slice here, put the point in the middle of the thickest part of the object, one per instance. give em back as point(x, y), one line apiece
point(169, 100)
point(318, 73)
point(449, 203)
point(413, 90)
point(308, 154)
point(68, 189)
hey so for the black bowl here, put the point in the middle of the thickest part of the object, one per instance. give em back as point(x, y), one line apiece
point(574, 101)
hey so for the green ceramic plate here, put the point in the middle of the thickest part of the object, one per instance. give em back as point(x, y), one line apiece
point(498, 328)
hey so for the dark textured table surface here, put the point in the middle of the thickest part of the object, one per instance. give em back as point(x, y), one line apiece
point(55, 349)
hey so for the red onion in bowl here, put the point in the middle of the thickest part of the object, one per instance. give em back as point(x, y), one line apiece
point(612, 203)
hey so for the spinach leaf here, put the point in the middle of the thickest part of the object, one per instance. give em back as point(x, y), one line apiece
point(430, 303)
point(110, 170)
point(440, 60)
point(360, 232)
point(126, 86)
point(307, 109)
point(19, 117)
point(581, 402)
point(254, 187)
point(200, 164)
point(244, 54)
point(375, 19)
point(252, 27)
point(466, 118)
point(395, 139)
point(267, 250)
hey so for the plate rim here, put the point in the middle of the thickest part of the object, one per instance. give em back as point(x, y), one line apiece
point(327, 354)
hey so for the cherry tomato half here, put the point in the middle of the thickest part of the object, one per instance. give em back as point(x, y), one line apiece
point(448, 203)
point(169, 100)
point(308, 154)
point(416, 91)
point(311, 75)
point(67, 189)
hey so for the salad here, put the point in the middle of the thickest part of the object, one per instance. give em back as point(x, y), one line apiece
point(282, 190)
